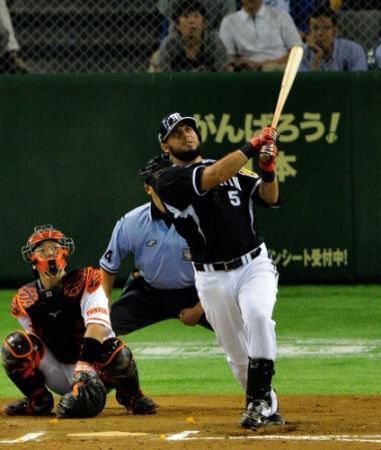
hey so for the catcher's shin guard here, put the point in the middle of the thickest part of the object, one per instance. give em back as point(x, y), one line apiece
point(21, 355)
point(118, 370)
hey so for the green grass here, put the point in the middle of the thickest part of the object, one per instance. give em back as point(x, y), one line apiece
point(302, 312)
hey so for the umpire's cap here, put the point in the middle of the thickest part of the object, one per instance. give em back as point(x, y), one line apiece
point(154, 167)
point(171, 121)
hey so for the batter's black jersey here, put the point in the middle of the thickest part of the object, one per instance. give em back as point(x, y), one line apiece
point(218, 224)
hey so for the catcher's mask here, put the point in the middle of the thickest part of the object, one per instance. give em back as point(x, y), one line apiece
point(171, 121)
point(48, 259)
point(154, 168)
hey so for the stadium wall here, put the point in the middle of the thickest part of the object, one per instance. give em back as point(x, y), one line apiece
point(71, 147)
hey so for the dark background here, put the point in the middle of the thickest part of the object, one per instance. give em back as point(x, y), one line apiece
point(71, 147)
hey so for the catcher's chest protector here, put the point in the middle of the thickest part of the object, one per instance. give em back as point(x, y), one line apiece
point(56, 314)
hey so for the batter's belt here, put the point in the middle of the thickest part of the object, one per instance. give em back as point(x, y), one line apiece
point(228, 265)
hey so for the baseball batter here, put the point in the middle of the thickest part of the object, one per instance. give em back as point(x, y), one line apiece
point(212, 206)
point(67, 344)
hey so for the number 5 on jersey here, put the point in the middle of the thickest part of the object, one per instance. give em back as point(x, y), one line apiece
point(234, 198)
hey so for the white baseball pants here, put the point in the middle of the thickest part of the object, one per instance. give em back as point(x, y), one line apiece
point(239, 306)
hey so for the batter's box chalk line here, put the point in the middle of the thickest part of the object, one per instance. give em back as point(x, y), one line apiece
point(191, 436)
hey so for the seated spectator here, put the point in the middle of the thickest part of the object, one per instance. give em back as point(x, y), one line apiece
point(10, 60)
point(190, 47)
point(215, 10)
point(324, 51)
point(258, 37)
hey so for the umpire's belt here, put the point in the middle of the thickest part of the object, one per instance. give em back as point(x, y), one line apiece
point(228, 265)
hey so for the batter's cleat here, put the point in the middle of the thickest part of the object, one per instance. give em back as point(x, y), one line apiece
point(137, 404)
point(256, 414)
point(276, 419)
point(28, 407)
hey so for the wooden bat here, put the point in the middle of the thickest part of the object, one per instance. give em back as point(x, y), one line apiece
point(292, 66)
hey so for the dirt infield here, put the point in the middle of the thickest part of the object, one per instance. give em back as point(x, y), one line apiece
point(206, 422)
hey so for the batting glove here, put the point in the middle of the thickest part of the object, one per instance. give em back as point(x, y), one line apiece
point(267, 136)
point(266, 157)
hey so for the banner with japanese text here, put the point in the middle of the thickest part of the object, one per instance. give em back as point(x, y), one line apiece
point(71, 148)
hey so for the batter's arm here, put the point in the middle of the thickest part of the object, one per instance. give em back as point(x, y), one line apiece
point(222, 169)
point(269, 192)
point(229, 165)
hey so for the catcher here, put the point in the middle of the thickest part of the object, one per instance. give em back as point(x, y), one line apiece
point(67, 344)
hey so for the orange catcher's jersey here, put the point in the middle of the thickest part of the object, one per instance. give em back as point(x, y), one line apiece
point(59, 316)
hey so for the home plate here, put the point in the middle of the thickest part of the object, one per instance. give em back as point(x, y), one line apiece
point(106, 434)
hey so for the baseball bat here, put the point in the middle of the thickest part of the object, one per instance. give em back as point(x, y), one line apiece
point(292, 66)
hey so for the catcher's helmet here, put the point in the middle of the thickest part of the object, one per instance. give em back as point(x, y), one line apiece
point(154, 168)
point(171, 121)
point(47, 263)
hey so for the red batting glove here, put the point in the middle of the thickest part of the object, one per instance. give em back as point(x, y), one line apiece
point(266, 157)
point(267, 136)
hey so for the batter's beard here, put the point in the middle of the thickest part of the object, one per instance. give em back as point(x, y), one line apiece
point(185, 155)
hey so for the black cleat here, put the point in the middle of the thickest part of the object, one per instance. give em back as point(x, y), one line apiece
point(276, 419)
point(256, 415)
point(28, 407)
point(138, 404)
point(143, 405)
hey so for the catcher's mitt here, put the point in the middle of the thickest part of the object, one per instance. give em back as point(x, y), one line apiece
point(86, 399)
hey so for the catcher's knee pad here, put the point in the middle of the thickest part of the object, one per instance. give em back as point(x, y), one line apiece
point(21, 350)
point(21, 355)
point(116, 362)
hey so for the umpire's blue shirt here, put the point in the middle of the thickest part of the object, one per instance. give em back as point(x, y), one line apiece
point(159, 251)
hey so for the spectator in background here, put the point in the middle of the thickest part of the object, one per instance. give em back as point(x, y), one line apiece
point(191, 46)
point(10, 60)
point(299, 10)
point(324, 51)
point(215, 10)
point(258, 37)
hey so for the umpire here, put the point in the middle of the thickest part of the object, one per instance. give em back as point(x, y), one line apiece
point(162, 286)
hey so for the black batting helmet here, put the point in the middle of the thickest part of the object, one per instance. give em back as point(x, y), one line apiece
point(154, 167)
point(171, 121)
